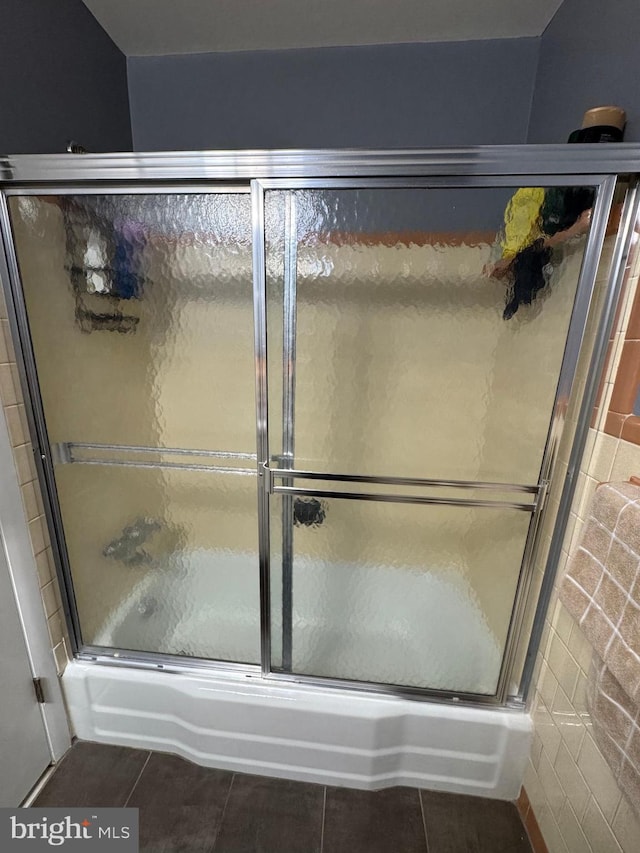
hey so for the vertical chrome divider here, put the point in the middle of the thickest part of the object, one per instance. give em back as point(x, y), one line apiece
point(262, 416)
point(25, 358)
point(573, 345)
point(288, 419)
point(591, 261)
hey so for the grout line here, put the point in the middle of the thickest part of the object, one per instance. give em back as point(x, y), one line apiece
point(324, 814)
point(40, 785)
point(424, 820)
point(224, 809)
point(137, 780)
point(48, 773)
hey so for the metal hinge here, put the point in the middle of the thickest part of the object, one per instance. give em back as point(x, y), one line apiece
point(543, 494)
point(39, 689)
point(264, 472)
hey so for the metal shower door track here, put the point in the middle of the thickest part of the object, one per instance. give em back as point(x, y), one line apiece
point(201, 166)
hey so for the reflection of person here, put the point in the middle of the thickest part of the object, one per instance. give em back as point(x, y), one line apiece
point(538, 220)
point(500, 268)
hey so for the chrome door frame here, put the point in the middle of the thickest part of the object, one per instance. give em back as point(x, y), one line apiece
point(190, 172)
point(45, 453)
point(605, 186)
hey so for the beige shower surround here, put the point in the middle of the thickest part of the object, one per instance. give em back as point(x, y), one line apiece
point(573, 803)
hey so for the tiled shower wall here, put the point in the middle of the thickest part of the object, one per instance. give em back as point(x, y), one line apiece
point(578, 806)
point(14, 412)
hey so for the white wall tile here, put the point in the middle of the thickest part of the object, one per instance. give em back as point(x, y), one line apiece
point(580, 647)
point(534, 788)
point(8, 393)
point(553, 790)
point(56, 628)
point(598, 831)
point(44, 565)
point(17, 424)
point(604, 452)
point(547, 684)
point(572, 780)
point(571, 831)
point(22, 459)
point(627, 461)
point(563, 666)
point(536, 750)
point(569, 722)
point(39, 535)
point(550, 831)
point(61, 656)
point(32, 502)
point(626, 827)
point(586, 496)
point(599, 777)
point(547, 730)
point(562, 623)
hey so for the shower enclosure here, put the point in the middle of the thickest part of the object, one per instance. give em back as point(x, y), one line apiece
point(285, 423)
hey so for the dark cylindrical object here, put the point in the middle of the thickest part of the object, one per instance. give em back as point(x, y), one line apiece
point(601, 124)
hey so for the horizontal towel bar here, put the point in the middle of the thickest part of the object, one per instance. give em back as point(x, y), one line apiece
point(212, 469)
point(293, 473)
point(66, 447)
point(66, 453)
point(403, 499)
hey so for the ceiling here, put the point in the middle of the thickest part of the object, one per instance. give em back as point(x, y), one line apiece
point(155, 27)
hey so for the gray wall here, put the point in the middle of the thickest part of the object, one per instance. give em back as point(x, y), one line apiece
point(418, 95)
point(62, 77)
point(589, 56)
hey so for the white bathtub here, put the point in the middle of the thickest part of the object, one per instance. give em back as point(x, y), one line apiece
point(361, 621)
point(242, 722)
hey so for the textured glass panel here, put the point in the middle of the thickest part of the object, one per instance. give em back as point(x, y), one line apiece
point(141, 314)
point(400, 594)
point(407, 359)
point(164, 560)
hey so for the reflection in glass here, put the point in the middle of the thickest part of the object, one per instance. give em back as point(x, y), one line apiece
point(414, 342)
point(404, 363)
point(141, 313)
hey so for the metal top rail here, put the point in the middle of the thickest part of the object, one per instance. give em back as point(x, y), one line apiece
point(583, 159)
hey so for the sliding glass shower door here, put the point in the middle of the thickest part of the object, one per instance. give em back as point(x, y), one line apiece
point(409, 410)
point(140, 311)
point(302, 427)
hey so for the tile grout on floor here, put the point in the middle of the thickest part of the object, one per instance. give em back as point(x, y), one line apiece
point(424, 821)
point(324, 813)
point(222, 814)
point(126, 802)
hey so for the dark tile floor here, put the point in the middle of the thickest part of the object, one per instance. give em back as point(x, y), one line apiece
point(185, 808)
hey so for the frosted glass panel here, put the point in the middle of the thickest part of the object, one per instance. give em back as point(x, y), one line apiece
point(141, 314)
point(164, 560)
point(410, 359)
point(401, 594)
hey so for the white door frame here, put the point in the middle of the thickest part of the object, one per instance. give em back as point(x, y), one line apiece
point(24, 579)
